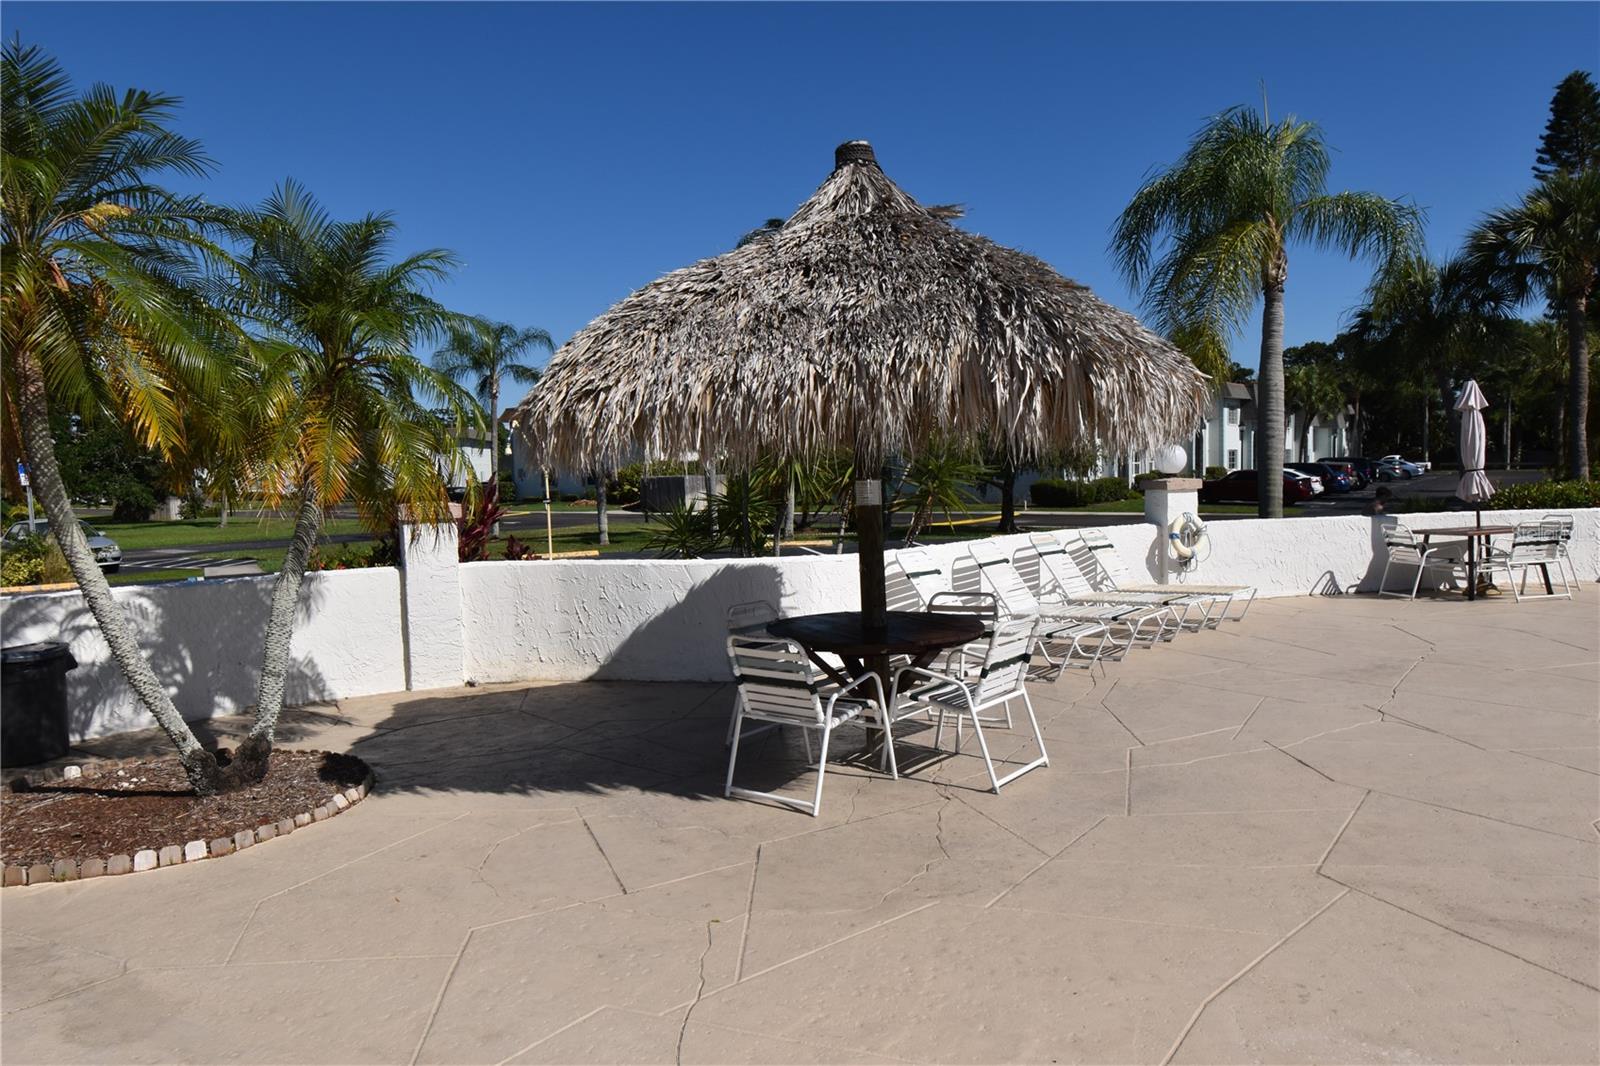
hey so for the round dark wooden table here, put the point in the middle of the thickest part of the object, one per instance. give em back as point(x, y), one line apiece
point(845, 634)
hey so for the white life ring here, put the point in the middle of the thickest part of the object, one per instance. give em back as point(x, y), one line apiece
point(1186, 537)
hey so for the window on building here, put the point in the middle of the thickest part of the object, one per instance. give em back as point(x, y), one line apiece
point(1233, 416)
point(1233, 458)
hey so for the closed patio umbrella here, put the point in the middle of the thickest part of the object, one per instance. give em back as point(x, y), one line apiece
point(1475, 486)
point(869, 322)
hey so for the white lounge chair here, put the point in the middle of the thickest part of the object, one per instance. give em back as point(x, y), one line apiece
point(779, 684)
point(1000, 681)
point(1056, 625)
point(1059, 578)
point(1098, 561)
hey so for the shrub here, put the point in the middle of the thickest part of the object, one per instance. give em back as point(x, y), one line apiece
point(683, 533)
point(1215, 472)
point(1050, 492)
point(384, 552)
point(1547, 494)
point(34, 560)
point(1149, 475)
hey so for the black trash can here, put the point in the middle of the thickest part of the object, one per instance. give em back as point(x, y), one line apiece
point(33, 703)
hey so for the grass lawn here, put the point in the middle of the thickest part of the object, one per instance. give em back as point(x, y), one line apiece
point(131, 536)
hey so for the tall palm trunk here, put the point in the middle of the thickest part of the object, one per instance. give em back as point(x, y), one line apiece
point(1578, 387)
point(38, 443)
point(787, 527)
point(250, 763)
point(494, 440)
point(1269, 409)
point(602, 515)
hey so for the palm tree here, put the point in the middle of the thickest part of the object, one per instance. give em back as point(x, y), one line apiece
point(1433, 325)
point(99, 276)
point(1314, 392)
point(484, 355)
point(1228, 211)
point(339, 406)
point(1549, 244)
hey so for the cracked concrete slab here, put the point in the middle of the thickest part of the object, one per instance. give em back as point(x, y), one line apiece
point(1367, 982)
point(1319, 834)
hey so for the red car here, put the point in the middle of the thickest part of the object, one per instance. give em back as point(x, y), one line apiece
point(1240, 487)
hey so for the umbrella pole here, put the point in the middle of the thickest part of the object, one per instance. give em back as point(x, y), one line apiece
point(869, 546)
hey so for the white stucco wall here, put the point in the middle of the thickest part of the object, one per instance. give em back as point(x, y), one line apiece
point(204, 641)
point(634, 619)
point(575, 619)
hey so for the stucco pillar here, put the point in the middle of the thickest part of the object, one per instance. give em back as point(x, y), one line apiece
point(430, 605)
point(1164, 500)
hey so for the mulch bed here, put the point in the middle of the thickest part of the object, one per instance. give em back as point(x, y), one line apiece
point(120, 808)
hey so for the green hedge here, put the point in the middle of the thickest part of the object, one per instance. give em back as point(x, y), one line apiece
point(1050, 492)
point(1214, 473)
point(1547, 494)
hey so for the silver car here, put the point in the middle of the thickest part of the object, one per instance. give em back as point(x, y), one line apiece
point(106, 552)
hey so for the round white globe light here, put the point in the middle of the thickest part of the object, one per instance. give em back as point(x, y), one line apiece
point(1172, 459)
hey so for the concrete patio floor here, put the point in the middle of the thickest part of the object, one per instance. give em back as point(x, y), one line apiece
point(1345, 829)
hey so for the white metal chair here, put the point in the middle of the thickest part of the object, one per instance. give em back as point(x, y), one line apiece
point(1059, 578)
point(1403, 548)
point(1533, 544)
point(779, 684)
point(1561, 523)
point(750, 619)
point(1098, 561)
point(1071, 625)
point(1000, 681)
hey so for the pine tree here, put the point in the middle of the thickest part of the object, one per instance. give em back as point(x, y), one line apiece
point(1571, 140)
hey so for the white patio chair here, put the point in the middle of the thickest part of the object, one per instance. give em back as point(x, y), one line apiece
point(1072, 625)
point(1000, 681)
point(779, 684)
point(1562, 524)
point(1403, 548)
point(1059, 578)
point(750, 620)
point(1533, 544)
point(1099, 561)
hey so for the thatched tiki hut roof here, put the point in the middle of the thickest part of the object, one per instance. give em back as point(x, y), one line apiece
point(866, 321)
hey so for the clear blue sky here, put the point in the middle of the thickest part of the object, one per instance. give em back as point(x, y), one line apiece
point(570, 154)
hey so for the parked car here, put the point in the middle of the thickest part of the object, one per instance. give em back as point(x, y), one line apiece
point(1366, 469)
point(1410, 469)
point(1349, 469)
point(106, 552)
point(1388, 470)
point(1333, 479)
point(1311, 481)
point(1240, 487)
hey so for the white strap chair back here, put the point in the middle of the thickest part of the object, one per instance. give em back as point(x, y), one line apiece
point(1005, 665)
point(914, 580)
point(777, 681)
point(999, 576)
point(1093, 543)
point(1536, 542)
point(1057, 569)
point(1402, 544)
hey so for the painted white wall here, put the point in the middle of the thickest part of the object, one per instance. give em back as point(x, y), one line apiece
point(430, 589)
point(204, 641)
point(604, 619)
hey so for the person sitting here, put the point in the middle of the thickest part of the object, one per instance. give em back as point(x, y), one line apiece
point(1380, 500)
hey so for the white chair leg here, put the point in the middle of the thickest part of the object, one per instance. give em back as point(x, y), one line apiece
point(1383, 582)
point(1415, 585)
point(733, 749)
point(983, 746)
point(888, 745)
point(822, 770)
point(805, 737)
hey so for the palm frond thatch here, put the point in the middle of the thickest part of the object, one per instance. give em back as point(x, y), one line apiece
point(866, 321)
